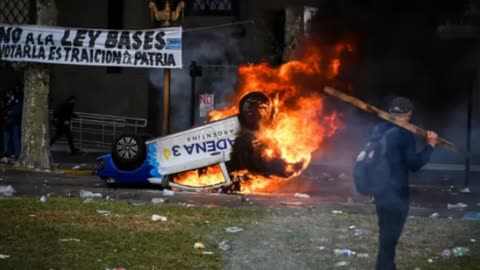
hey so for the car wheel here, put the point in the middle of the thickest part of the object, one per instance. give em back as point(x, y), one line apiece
point(255, 109)
point(129, 152)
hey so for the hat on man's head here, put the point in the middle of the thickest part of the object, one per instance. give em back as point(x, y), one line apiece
point(401, 105)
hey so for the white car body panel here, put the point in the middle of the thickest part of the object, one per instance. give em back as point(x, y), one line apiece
point(195, 148)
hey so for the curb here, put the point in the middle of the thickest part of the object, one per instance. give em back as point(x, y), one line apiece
point(57, 171)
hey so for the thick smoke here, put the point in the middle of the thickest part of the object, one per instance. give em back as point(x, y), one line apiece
point(217, 47)
point(397, 53)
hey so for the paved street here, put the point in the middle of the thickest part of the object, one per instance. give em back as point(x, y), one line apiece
point(324, 195)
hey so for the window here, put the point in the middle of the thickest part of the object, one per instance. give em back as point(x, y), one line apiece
point(212, 7)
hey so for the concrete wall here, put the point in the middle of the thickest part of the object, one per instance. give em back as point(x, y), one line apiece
point(100, 92)
point(126, 93)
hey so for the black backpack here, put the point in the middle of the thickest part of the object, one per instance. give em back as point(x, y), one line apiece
point(371, 172)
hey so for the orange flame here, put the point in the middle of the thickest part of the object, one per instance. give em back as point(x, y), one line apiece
point(210, 176)
point(300, 125)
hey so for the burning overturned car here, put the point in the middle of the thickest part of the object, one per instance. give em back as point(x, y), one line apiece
point(265, 140)
point(157, 161)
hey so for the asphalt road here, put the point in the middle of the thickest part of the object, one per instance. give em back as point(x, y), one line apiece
point(327, 192)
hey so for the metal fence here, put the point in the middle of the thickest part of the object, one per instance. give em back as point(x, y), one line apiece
point(98, 131)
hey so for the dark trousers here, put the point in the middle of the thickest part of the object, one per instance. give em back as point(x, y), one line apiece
point(391, 220)
point(11, 138)
point(63, 128)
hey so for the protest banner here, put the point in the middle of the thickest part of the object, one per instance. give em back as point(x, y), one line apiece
point(154, 48)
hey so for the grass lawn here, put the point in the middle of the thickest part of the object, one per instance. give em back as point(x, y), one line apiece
point(126, 238)
point(274, 239)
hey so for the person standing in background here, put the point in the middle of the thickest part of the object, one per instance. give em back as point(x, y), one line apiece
point(63, 115)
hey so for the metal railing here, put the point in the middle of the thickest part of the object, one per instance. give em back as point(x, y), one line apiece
point(98, 131)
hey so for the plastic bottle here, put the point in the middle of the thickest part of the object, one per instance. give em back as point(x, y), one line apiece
point(460, 251)
point(446, 253)
point(43, 199)
point(88, 194)
point(7, 191)
point(344, 252)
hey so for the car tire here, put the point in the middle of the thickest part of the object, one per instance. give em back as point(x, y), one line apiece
point(129, 152)
point(250, 107)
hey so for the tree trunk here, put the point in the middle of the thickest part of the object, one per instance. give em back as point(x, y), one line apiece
point(35, 136)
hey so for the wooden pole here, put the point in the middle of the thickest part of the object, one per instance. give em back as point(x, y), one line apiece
point(386, 116)
point(166, 102)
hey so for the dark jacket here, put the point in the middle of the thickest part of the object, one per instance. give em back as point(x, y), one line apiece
point(64, 112)
point(402, 158)
point(15, 117)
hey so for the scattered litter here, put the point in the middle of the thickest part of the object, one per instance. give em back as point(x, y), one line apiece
point(434, 215)
point(43, 199)
point(107, 198)
point(358, 232)
point(78, 167)
point(2, 256)
point(472, 216)
point(103, 212)
point(302, 196)
point(344, 252)
point(473, 240)
point(168, 192)
point(418, 268)
point(136, 203)
point(84, 194)
point(456, 206)
point(159, 218)
point(362, 255)
point(292, 203)
point(207, 253)
point(225, 245)
point(342, 263)
point(7, 191)
point(430, 261)
point(88, 200)
point(460, 251)
point(234, 229)
point(353, 227)
point(207, 222)
point(446, 253)
point(188, 205)
point(321, 248)
point(69, 240)
point(335, 212)
point(45, 181)
point(32, 215)
point(158, 200)
point(465, 190)
point(342, 176)
point(199, 245)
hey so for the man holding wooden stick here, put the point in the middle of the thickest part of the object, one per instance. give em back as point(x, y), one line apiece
point(392, 205)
